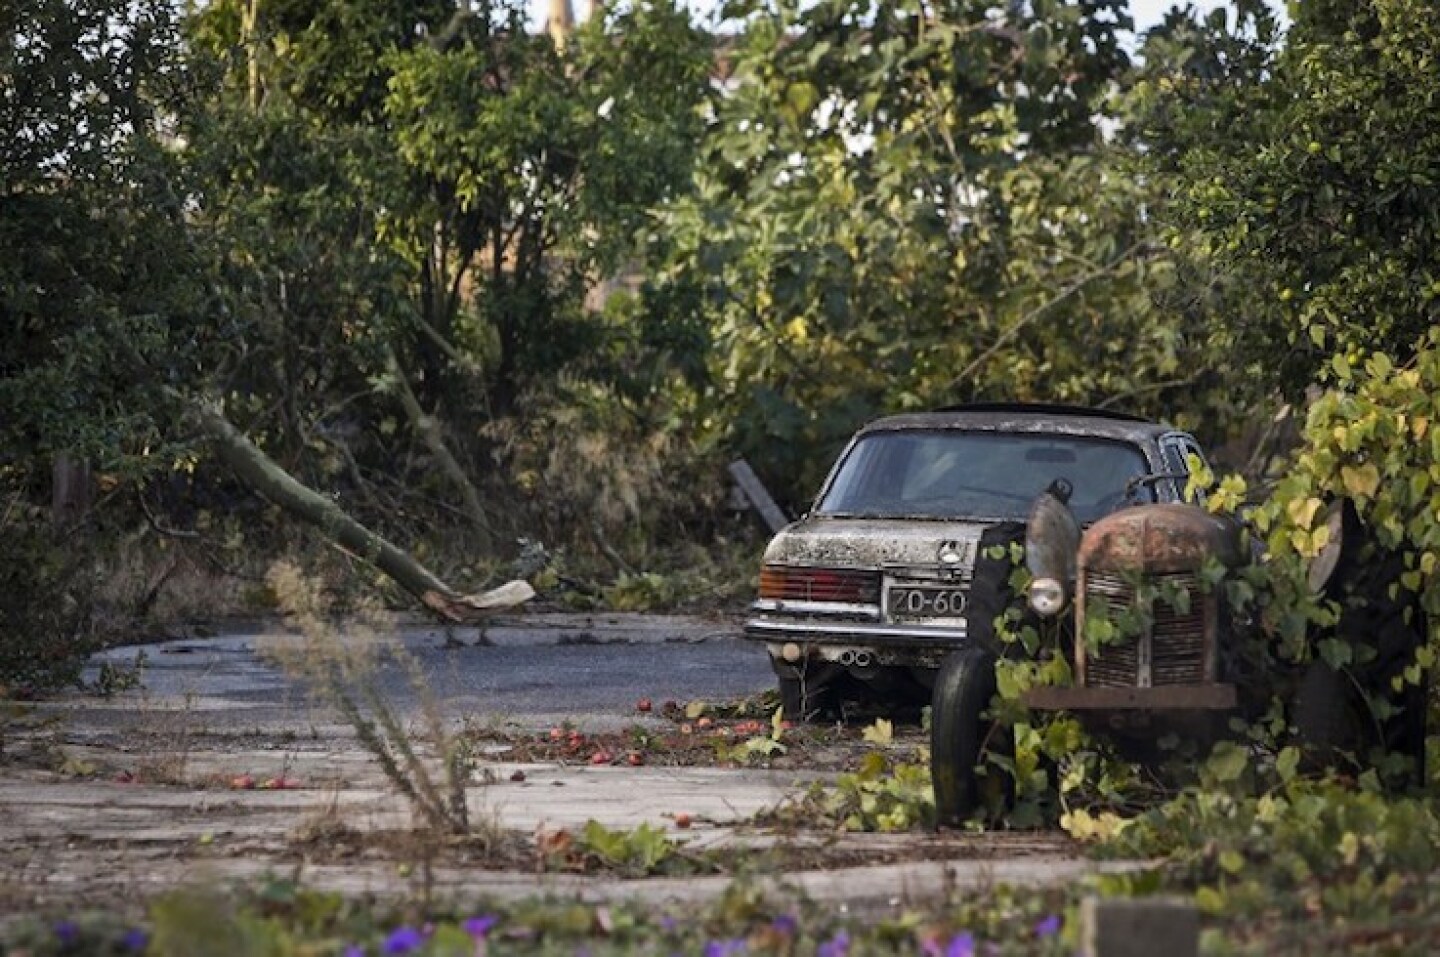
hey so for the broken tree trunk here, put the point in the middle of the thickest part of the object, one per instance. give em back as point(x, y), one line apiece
point(70, 485)
point(264, 475)
point(428, 428)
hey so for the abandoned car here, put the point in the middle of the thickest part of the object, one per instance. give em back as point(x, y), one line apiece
point(890, 586)
point(892, 568)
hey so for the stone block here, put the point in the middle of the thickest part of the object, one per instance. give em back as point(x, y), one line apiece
point(1139, 927)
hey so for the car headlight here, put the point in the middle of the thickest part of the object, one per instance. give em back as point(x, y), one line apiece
point(1047, 597)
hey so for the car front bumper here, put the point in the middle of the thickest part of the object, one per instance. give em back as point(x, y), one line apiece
point(794, 641)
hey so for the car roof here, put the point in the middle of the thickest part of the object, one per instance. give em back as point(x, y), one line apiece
point(1025, 417)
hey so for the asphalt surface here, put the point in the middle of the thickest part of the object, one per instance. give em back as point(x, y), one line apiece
point(146, 796)
point(537, 667)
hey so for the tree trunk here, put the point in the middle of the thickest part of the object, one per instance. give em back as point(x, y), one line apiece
point(262, 474)
point(70, 490)
point(431, 434)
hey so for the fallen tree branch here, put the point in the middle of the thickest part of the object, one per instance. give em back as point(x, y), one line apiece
point(265, 476)
point(430, 433)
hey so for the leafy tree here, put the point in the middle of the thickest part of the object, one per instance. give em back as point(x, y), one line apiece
point(96, 305)
point(1318, 185)
point(913, 205)
point(415, 231)
point(506, 175)
point(1315, 186)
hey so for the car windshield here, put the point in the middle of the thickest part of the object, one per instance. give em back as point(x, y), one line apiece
point(955, 474)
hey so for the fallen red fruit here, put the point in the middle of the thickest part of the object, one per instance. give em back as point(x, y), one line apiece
point(635, 758)
point(518, 776)
point(644, 705)
point(704, 722)
point(243, 782)
point(682, 820)
point(556, 734)
point(600, 757)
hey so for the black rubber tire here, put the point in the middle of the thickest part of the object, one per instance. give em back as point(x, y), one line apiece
point(801, 700)
point(1326, 717)
point(960, 734)
point(1406, 732)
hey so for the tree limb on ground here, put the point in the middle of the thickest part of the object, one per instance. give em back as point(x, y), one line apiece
point(265, 476)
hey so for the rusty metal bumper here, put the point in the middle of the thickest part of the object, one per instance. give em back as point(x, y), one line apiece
point(1206, 697)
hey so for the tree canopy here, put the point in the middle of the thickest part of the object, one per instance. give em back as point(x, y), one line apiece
point(433, 264)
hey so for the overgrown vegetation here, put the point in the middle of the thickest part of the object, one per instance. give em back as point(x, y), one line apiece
point(430, 765)
point(376, 245)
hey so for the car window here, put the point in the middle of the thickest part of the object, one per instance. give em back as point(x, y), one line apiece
point(955, 474)
point(1174, 457)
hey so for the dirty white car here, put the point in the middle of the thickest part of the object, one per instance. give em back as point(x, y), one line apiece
point(889, 587)
point(889, 572)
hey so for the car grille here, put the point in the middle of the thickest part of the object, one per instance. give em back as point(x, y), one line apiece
point(1175, 644)
point(849, 585)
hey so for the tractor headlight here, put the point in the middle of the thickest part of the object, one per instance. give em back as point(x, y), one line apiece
point(1047, 597)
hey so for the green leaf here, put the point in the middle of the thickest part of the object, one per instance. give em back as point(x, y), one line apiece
point(882, 732)
point(1227, 762)
point(1287, 762)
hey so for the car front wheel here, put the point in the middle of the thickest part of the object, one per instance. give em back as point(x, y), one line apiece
point(960, 735)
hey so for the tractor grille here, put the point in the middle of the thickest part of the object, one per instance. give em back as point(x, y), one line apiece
point(1175, 646)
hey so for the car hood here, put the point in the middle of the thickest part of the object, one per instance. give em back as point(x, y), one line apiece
point(863, 542)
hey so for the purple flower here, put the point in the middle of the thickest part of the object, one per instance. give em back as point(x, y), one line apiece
point(354, 950)
point(725, 948)
point(669, 924)
point(403, 940)
point(478, 927)
point(1048, 926)
point(135, 940)
point(961, 945)
point(785, 924)
point(837, 946)
point(68, 932)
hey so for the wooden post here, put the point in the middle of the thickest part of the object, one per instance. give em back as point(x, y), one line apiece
point(755, 491)
point(69, 490)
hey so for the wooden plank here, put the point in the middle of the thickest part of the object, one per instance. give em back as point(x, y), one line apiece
point(756, 493)
point(1216, 697)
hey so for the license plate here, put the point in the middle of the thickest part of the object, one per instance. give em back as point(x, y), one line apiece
point(925, 601)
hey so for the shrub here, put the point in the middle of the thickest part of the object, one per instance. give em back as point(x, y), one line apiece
point(46, 583)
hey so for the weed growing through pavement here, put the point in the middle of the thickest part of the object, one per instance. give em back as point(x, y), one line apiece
point(342, 667)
